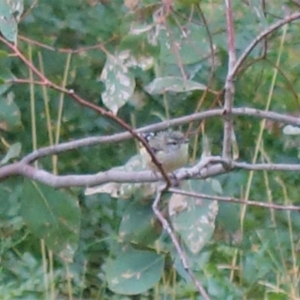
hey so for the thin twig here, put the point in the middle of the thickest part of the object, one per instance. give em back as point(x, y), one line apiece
point(234, 200)
point(66, 50)
point(176, 244)
point(259, 38)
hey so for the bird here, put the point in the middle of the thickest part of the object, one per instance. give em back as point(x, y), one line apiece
point(170, 148)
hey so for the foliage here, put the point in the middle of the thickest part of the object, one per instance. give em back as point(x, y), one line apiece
point(145, 61)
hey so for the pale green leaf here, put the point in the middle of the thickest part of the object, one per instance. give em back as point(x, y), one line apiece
point(13, 152)
point(291, 130)
point(119, 83)
point(126, 190)
point(194, 218)
point(172, 84)
point(9, 14)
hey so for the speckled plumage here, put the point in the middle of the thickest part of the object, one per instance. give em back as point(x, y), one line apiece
point(170, 149)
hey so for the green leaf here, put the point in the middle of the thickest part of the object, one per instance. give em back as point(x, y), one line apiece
point(10, 117)
point(173, 84)
point(194, 218)
point(257, 265)
point(10, 192)
point(13, 152)
point(137, 42)
point(126, 190)
point(52, 215)
point(134, 271)
point(119, 83)
point(9, 12)
point(188, 44)
point(148, 229)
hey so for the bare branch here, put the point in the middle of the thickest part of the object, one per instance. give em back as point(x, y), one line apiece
point(208, 167)
point(260, 37)
point(235, 200)
point(266, 167)
point(229, 85)
point(177, 245)
point(63, 147)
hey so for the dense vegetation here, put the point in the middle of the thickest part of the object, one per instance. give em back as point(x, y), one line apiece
point(80, 70)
